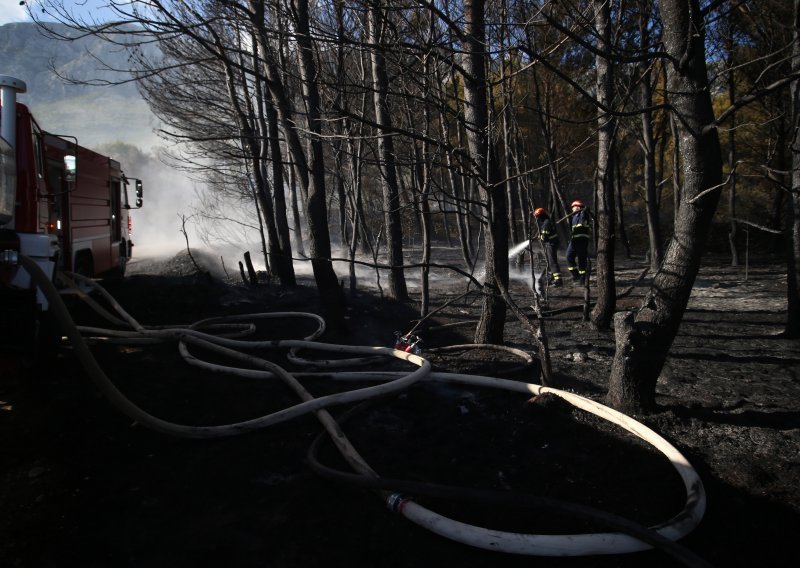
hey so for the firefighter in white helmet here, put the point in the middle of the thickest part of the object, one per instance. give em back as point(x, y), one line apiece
point(580, 224)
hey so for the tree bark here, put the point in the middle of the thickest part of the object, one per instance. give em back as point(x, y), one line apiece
point(643, 346)
point(286, 271)
point(621, 230)
point(793, 226)
point(604, 176)
point(733, 225)
point(425, 196)
point(320, 244)
point(648, 144)
point(249, 122)
point(391, 196)
point(485, 169)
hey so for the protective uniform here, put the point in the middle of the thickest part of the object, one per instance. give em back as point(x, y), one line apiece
point(578, 248)
point(550, 241)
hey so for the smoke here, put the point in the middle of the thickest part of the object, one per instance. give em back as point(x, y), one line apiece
point(168, 194)
point(220, 229)
point(157, 225)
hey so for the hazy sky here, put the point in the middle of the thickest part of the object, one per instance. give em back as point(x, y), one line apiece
point(12, 11)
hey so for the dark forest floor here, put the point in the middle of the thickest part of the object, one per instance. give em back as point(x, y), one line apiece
point(80, 484)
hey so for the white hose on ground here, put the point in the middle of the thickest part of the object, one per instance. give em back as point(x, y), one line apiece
point(128, 408)
point(675, 528)
point(510, 542)
point(680, 525)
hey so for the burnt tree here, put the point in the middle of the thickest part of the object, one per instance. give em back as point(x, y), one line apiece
point(486, 170)
point(793, 225)
point(644, 338)
point(604, 175)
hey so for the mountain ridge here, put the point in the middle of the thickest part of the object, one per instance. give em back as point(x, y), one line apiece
point(96, 115)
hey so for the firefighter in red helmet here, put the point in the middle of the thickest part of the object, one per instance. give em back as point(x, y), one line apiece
point(549, 238)
point(578, 248)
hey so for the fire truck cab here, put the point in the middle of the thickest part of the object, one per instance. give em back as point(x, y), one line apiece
point(62, 205)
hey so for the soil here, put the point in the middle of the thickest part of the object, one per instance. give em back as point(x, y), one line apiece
point(83, 485)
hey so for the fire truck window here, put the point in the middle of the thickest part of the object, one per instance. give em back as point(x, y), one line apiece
point(37, 153)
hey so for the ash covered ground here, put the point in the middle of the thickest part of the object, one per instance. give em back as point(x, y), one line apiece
point(82, 484)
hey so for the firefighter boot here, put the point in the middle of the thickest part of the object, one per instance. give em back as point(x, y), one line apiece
point(573, 270)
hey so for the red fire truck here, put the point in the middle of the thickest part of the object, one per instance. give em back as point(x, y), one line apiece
point(62, 205)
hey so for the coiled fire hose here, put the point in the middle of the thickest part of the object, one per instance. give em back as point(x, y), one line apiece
point(633, 538)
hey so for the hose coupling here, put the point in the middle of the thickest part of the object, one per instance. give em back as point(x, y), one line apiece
point(396, 501)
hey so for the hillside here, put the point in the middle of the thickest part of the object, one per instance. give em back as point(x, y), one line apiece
point(65, 108)
point(112, 119)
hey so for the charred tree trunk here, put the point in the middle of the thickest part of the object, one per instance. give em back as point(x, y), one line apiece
point(644, 340)
point(652, 202)
point(391, 195)
point(297, 232)
point(425, 196)
point(249, 119)
point(320, 244)
point(455, 182)
point(604, 186)
point(733, 225)
point(286, 264)
point(793, 226)
point(251, 271)
point(508, 122)
point(677, 178)
point(557, 205)
point(777, 210)
point(486, 169)
point(623, 234)
point(426, 229)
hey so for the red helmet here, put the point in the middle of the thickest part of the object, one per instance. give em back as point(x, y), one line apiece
point(577, 203)
point(539, 211)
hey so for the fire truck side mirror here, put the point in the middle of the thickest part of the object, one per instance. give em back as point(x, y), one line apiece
point(70, 168)
point(139, 193)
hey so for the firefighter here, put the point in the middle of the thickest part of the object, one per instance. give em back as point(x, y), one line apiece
point(549, 238)
point(578, 248)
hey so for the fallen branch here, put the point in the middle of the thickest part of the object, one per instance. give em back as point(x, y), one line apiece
point(636, 282)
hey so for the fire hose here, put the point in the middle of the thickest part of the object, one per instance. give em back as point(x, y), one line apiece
point(632, 538)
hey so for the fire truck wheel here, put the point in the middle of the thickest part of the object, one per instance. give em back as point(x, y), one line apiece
point(116, 273)
point(84, 264)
